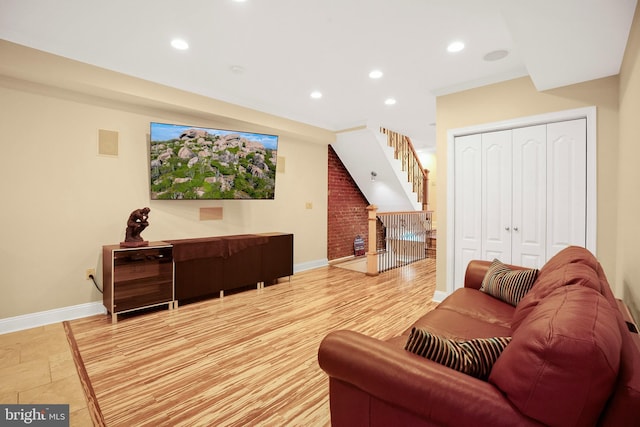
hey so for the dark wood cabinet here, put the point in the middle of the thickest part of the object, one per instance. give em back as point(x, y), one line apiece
point(198, 266)
point(208, 266)
point(189, 269)
point(243, 267)
point(135, 278)
point(277, 257)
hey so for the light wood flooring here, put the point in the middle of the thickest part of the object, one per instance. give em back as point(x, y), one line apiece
point(248, 359)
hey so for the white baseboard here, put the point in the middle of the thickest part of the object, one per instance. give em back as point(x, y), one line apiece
point(341, 260)
point(439, 296)
point(310, 265)
point(33, 320)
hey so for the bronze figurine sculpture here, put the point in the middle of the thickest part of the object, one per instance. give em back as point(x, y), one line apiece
point(137, 222)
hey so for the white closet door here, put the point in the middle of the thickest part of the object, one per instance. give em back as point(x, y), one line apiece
point(529, 196)
point(496, 196)
point(566, 184)
point(467, 203)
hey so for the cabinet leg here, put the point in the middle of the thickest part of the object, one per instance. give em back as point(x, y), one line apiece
point(221, 294)
point(114, 318)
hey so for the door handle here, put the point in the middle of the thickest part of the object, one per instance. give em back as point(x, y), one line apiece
point(507, 228)
point(515, 228)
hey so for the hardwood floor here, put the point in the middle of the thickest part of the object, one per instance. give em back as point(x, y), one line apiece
point(249, 358)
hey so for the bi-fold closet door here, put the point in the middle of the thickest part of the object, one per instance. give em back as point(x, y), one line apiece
point(520, 194)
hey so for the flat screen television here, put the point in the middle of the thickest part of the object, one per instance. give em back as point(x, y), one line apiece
point(196, 163)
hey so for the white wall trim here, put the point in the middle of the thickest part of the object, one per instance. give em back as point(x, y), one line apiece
point(439, 296)
point(590, 113)
point(310, 265)
point(33, 320)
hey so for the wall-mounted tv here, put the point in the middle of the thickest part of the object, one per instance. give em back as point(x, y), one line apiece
point(196, 163)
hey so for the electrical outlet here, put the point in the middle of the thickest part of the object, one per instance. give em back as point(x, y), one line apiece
point(90, 272)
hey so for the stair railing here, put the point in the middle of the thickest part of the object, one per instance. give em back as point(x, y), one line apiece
point(396, 238)
point(404, 151)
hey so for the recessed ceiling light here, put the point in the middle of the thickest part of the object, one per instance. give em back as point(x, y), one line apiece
point(376, 74)
point(179, 44)
point(390, 101)
point(456, 46)
point(496, 55)
point(316, 94)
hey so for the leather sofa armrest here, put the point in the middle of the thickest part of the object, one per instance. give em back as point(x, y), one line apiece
point(417, 385)
point(476, 269)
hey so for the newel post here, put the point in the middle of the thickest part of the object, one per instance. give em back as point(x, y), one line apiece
point(372, 252)
point(425, 190)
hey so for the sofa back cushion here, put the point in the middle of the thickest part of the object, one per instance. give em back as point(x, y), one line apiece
point(574, 265)
point(569, 255)
point(568, 274)
point(563, 359)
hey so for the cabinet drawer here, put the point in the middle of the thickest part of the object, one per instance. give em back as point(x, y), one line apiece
point(142, 292)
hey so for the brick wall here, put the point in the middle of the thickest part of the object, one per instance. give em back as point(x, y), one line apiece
point(347, 214)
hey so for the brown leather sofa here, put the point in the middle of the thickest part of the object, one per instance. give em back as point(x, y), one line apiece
point(573, 359)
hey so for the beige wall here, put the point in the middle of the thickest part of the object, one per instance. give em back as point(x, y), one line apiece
point(628, 206)
point(519, 98)
point(62, 201)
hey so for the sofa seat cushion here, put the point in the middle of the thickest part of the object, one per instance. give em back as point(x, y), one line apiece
point(479, 305)
point(467, 314)
point(563, 359)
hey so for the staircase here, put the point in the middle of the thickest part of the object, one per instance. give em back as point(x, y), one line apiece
point(385, 167)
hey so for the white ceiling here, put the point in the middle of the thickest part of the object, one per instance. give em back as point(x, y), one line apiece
point(288, 48)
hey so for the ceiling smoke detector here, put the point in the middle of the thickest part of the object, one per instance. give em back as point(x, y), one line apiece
point(496, 55)
point(237, 69)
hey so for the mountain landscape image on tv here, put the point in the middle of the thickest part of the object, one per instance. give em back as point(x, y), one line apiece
point(196, 163)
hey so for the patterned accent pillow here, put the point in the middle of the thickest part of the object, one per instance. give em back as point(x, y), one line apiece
point(506, 284)
point(473, 357)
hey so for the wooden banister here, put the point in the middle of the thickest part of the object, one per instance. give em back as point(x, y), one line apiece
point(417, 175)
point(372, 252)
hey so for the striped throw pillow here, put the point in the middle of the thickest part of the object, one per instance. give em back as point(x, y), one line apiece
point(506, 284)
point(473, 357)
